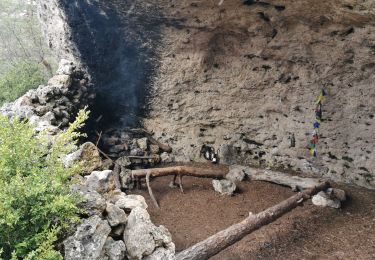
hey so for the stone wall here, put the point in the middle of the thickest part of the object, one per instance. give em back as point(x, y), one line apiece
point(55, 105)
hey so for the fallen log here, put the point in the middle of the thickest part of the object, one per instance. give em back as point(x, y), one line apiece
point(295, 182)
point(212, 172)
point(221, 240)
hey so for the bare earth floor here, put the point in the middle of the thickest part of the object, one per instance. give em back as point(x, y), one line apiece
point(307, 232)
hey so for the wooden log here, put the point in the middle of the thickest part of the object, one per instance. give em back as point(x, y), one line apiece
point(221, 240)
point(295, 182)
point(212, 172)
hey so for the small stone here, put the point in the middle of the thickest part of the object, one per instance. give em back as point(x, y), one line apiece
point(137, 152)
point(166, 158)
point(142, 143)
point(115, 215)
point(117, 231)
point(323, 199)
point(339, 194)
point(154, 149)
point(118, 148)
point(224, 187)
point(126, 179)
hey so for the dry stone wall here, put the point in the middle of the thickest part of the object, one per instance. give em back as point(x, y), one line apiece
point(55, 105)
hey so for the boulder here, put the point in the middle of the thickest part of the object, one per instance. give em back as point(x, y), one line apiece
point(115, 215)
point(161, 253)
point(100, 181)
point(141, 237)
point(113, 250)
point(323, 199)
point(93, 203)
point(224, 187)
point(130, 202)
point(89, 155)
point(88, 241)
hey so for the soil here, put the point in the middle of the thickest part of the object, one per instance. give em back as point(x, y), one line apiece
point(308, 232)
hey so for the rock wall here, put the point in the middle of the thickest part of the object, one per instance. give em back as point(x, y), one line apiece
point(55, 105)
point(244, 76)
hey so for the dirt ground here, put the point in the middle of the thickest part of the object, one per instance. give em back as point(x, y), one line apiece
point(308, 232)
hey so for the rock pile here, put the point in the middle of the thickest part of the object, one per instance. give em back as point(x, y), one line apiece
point(53, 106)
point(116, 224)
point(133, 148)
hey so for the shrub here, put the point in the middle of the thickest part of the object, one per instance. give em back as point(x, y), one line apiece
point(19, 79)
point(36, 206)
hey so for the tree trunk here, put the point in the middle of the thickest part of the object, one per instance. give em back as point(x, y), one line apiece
point(217, 172)
point(221, 240)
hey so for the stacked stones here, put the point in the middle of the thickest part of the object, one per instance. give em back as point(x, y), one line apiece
point(134, 148)
point(53, 106)
point(116, 224)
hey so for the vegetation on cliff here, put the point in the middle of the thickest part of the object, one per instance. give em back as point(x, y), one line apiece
point(25, 61)
point(36, 205)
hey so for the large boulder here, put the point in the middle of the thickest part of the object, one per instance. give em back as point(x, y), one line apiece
point(141, 237)
point(88, 241)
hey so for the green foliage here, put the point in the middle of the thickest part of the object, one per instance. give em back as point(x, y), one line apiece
point(18, 80)
point(21, 37)
point(35, 203)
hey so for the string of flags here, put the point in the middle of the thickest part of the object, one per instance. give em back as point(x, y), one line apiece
point(318, 120)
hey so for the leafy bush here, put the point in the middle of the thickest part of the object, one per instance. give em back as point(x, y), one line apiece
point(19, 79)
point(35, 203)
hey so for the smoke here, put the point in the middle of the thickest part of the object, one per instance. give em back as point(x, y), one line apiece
point(117, 41)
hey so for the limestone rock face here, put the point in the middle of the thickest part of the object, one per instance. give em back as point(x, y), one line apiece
point(141, 237)
point(88, 241)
